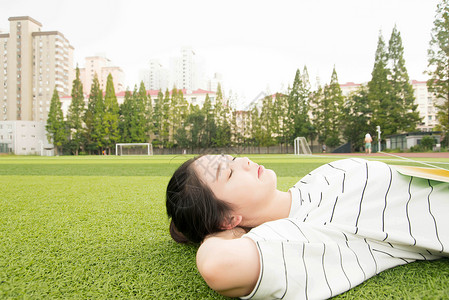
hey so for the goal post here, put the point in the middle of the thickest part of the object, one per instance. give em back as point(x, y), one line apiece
point(301, 146)
point(133, 149)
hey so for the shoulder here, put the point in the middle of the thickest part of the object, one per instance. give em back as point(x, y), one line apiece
point(229, 266)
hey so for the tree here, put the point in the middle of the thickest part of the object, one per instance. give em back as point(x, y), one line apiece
point(158, 118)
point(149, 111)
point(111, 116)
point(438, 64)
point(165, 125)
point(126, 115)
point(327, 111)
point(139, 124)
point(280, 112)
point(402, 91)
point(56, 127)
point(75, 114)
point(267, 122)
point(93, 118)
point(335, 104)
point(358, 118)
point(379, 90)
point(210, 128)
point(256, 127)
point(222, 114)
point(298, 106)
point(196, 122)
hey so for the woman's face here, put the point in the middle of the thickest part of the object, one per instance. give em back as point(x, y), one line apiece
point(238, 181)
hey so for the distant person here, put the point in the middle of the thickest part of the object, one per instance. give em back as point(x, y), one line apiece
point(324, 148)
point(341, 224)
point(368, 140)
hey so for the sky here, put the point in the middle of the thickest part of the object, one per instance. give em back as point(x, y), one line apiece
point(257, 46)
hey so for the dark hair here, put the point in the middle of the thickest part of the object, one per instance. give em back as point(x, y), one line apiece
point(193, 208)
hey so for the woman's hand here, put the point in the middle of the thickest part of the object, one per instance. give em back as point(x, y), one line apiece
point(229, 263)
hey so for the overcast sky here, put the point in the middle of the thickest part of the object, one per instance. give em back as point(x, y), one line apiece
point(256, 45)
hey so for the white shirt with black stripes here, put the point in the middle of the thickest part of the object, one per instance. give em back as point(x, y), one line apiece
point(349, 220)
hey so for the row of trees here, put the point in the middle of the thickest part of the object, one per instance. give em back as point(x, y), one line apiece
point(331, 118)
point(438, 63)
point(323, 114)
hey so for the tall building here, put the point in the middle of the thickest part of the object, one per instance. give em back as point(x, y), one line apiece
point(185, 71)
point(101, 66)
point(32, 64)
point(427, 103)
point(156, 77)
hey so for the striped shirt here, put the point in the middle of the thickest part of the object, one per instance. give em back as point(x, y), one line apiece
point(349, 220)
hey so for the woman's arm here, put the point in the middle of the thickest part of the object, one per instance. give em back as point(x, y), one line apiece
point(228, 263)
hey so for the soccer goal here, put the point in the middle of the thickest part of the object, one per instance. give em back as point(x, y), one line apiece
point(133, 149)
point(301, 146)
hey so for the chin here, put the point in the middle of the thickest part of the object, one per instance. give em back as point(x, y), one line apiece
point(272, 175)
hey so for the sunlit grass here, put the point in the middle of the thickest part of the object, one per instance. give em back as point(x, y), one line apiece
point(96, 227)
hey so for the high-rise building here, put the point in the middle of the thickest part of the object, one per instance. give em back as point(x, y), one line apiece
point(101, 66)
point(427, 106)
point(156, 77)
point(184, 70)
point(32, 64)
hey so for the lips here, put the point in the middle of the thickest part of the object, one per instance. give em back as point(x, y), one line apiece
point(260, 171)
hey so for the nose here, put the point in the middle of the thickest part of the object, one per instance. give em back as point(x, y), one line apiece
point(245, 163)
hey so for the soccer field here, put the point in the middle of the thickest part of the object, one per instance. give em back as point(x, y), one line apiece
point(95, 227)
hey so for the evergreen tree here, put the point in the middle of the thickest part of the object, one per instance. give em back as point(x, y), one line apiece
point(174, 111)
point(256, 132)
point(267, 123)
point(139, 125)
point(380, 91)
point(358, 118)
point(111, 116)
point(281, 113)
point(196, 122)
point(327, 111)
point(75, 114)
point(209, 121)
point(438, 64)
point(56, 127)
point(320, 113)
point(335, 117)
point(158, 118)
point(126, 116)
point(298, 106)
point(149, 111)
point(402, 91)
point(93, 118)
point(222, 113)
point(165, 125)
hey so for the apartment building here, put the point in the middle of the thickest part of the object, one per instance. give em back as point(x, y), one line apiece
point(427, 103)
point(32, 64)
point(101, 66)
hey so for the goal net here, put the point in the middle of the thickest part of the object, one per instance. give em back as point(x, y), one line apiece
point(301, 146)
point(133, 149)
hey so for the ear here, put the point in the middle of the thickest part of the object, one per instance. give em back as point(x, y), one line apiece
point(232, 222)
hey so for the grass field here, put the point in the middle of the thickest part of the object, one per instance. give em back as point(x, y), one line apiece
point(96, 228)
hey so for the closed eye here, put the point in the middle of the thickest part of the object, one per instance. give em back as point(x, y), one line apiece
point(230, 174)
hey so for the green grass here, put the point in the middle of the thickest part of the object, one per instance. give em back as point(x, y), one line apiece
point(96, 228)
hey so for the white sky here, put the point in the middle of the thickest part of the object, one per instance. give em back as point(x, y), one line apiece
point(256, 45)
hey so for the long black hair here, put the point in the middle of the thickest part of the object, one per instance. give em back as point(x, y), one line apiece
point(193, 208)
